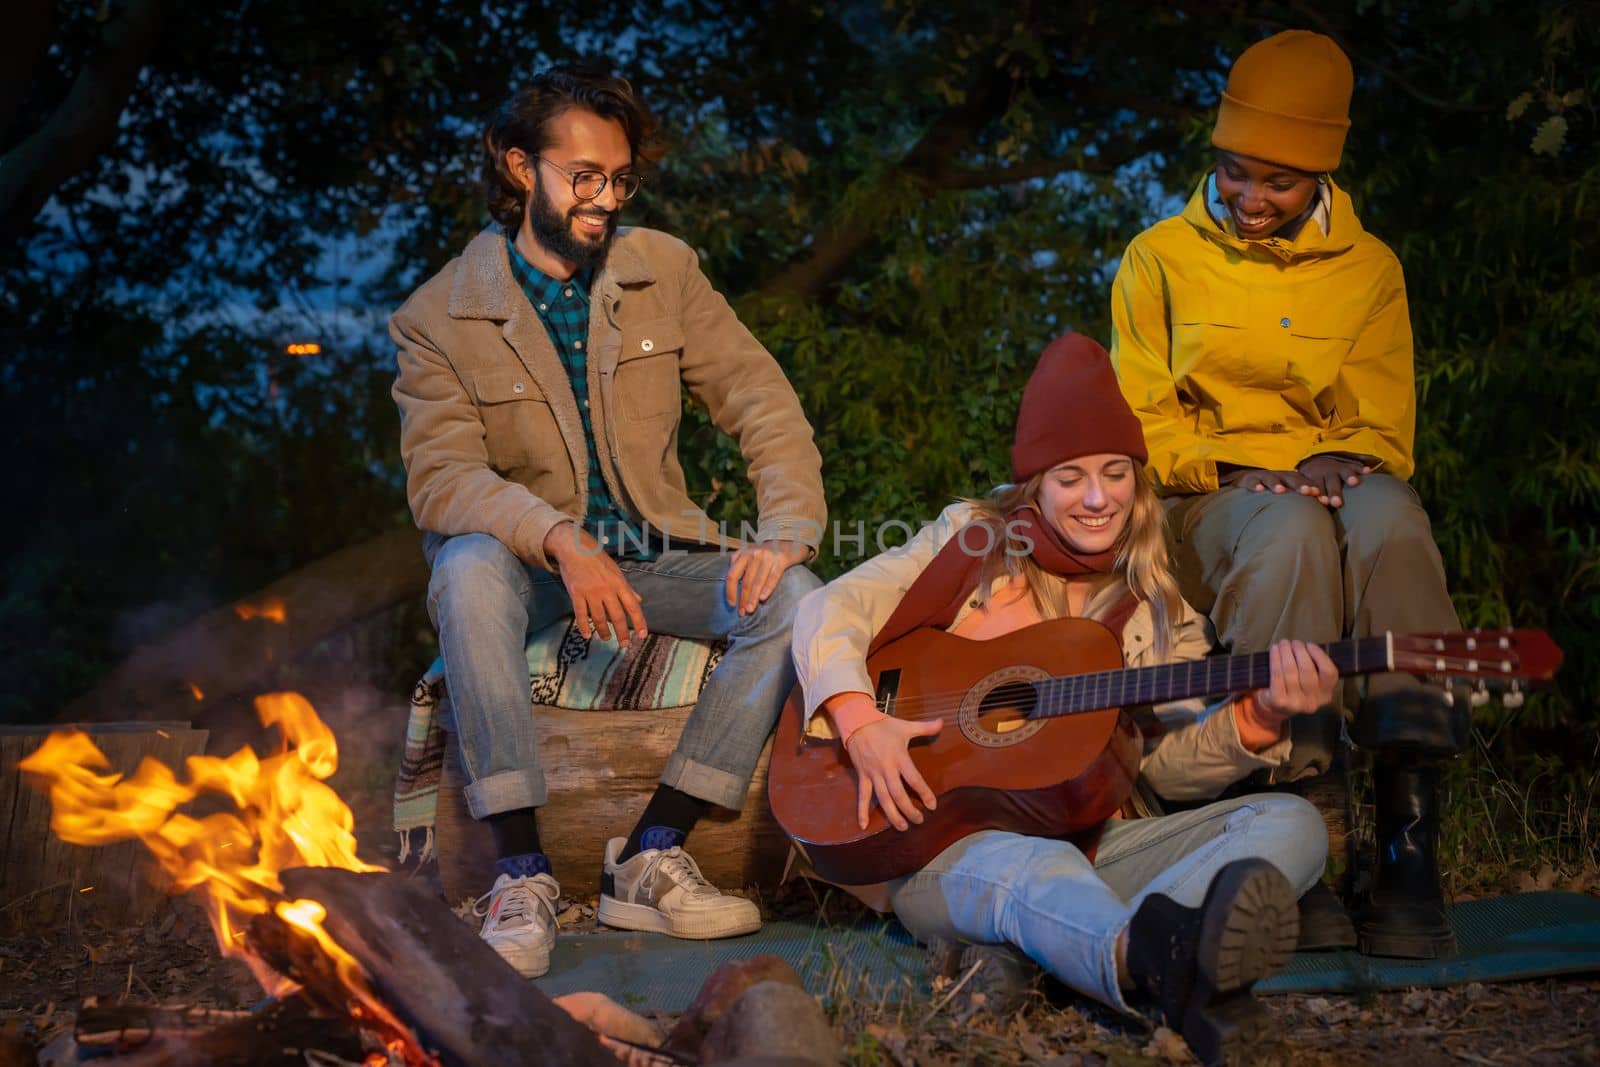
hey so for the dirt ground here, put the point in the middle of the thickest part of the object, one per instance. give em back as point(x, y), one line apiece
point(46, 976)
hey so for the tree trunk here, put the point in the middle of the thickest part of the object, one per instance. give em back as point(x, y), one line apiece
point(230, 650)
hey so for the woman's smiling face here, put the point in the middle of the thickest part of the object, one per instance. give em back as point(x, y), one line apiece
point(1262, 197)
point(1088, 500)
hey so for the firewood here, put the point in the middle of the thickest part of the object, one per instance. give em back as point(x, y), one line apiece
point(468, 1005)
point(277, 1036)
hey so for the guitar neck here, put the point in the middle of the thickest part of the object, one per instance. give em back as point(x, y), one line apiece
point(1211, 676)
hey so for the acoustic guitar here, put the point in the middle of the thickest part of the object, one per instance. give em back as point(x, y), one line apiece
point(1036, 738)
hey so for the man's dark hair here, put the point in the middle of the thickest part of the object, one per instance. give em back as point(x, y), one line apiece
point(523, 121)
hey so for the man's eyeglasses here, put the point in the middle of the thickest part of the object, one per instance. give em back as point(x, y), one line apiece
point(588, 184)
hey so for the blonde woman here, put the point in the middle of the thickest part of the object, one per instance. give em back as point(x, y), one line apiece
point(1187, 910)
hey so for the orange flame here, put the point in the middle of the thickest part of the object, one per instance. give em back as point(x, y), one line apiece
point(199, 694)
point(287, 817)
point(272, 610)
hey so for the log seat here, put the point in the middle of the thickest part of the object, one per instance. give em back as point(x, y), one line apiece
point(606, 725)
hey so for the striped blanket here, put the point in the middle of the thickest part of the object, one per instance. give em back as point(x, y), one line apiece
point(567, 671)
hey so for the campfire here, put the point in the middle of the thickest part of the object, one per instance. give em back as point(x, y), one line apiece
point(277, 871)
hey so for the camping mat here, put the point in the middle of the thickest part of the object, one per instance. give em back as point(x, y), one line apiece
point(654, 972)
point(1527, 935)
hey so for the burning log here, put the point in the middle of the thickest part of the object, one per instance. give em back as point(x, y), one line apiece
point(285, 890)
point(279, 1036)
point(467, 1004)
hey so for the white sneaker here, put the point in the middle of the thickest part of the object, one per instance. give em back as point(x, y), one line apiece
point(520, 921)
point(662, 890)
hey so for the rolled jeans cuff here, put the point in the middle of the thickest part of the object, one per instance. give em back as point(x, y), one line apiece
point(506, 791)
point(708, 783)
point(1111, 994)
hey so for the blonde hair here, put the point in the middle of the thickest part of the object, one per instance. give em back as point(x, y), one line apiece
point(1142, 561)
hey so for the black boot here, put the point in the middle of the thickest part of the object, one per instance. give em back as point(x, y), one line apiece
point(1198, 964)
point(1412, 731)
point(1407, 917)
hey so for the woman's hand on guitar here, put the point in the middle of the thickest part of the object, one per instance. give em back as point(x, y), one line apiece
point(880, 754)
point(1303, 678)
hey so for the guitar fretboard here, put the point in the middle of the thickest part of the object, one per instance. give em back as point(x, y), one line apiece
point(1213, 675)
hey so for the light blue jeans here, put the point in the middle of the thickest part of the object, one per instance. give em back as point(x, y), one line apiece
point(1046, 899)
point(484, 601)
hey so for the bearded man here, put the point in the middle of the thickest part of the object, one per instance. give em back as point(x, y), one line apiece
point(541, 383)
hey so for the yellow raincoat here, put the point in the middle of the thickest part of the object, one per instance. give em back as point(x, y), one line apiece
point(1263, 353)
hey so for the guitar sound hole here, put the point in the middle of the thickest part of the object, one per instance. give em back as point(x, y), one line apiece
point(1006, 707)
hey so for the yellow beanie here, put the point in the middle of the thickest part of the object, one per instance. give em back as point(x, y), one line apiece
point(1288, 102)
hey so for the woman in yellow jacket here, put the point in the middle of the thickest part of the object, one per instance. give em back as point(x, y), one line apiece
point(1263, 339)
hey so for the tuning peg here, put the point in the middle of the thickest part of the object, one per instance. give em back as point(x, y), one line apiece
point(1449, 696)
point(1513, 697)
point(1480, 696)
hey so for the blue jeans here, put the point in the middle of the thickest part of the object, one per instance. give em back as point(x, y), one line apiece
point(1045, 898)
point(484, 601)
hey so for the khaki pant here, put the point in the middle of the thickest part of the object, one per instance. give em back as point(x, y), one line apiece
point(1266, 566)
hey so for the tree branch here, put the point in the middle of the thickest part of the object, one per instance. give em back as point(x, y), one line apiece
point(24, 46)
point(85, 123)
point(840, 239)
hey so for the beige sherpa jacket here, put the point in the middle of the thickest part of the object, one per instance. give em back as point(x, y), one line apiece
point(489, 428)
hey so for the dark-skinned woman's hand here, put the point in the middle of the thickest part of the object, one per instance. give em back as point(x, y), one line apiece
point(1265, 481)
point(1329, 475)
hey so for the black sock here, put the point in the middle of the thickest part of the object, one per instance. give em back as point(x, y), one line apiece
point(516, 832)
point(666, 821)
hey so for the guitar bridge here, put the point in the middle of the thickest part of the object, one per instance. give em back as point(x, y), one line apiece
point(888, 690)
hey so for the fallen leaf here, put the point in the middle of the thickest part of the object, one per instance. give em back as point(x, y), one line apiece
point(1034, 1046)
point(1066, 1059)
point(1168, 1047)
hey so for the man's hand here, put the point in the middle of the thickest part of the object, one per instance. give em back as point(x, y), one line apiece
point(879, 753)
point(1328, 474)
point(602, 599)
point(755, 571)
point(1303, 680)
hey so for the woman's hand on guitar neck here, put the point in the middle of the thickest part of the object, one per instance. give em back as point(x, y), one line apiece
point(1303, 678)
point(880, 752)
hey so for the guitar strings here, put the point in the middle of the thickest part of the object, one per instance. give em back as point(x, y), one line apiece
point(945, 705)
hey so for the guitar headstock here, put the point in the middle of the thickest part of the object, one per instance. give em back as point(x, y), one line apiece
point(1520, 656)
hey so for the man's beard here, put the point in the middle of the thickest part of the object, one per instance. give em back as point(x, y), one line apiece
point(553, 230)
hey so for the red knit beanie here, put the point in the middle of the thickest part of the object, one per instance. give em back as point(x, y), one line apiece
point(1073, 407)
